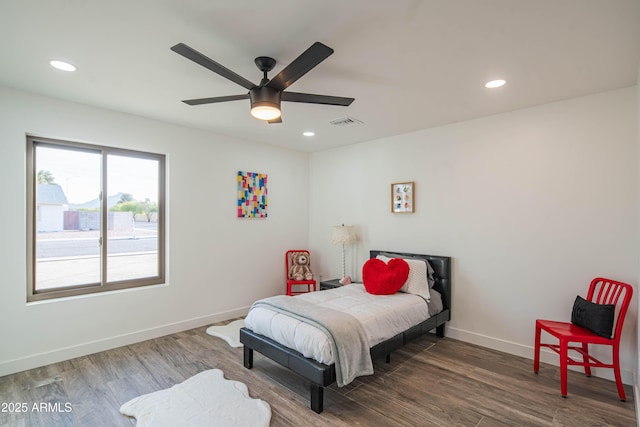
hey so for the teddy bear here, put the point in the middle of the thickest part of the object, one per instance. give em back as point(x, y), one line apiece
point(299, 269)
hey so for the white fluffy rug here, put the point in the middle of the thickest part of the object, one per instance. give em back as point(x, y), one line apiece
point(230, 333)
point(206, 399)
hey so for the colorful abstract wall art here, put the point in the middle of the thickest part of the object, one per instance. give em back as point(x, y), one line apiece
point(252, 195)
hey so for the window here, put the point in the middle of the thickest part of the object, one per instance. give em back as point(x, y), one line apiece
point(95, 218)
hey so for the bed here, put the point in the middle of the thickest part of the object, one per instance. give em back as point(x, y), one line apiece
point(320, 374)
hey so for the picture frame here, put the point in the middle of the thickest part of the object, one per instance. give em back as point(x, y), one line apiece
point(252, 195)
point(402, 197)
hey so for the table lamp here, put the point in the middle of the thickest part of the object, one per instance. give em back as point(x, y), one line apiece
point(343, 235)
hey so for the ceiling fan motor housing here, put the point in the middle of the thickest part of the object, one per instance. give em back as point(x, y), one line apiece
point(265, 96)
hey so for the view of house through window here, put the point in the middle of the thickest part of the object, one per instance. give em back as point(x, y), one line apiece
point(96, 218)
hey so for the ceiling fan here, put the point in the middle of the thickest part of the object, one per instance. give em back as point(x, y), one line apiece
point(266, 96)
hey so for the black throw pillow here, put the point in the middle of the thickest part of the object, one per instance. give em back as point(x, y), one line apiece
point(598, 318)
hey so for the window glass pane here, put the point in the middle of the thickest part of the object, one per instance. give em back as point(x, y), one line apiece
point(132, 223)
point(67, 218)
point(96, 219)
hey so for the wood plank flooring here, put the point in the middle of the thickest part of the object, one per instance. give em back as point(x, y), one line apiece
point(430, 382)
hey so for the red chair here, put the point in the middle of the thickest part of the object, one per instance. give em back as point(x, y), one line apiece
point(601, 291)
point(309, 284)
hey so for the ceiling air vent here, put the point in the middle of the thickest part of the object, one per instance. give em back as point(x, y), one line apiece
point(346, 121)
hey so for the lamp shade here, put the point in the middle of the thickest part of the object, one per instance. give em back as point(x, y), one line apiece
point(343, 235)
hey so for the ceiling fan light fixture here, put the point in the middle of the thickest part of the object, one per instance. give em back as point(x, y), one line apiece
point(265, 103)
point(265, 112)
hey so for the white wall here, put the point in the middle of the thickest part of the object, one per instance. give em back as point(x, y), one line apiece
point(216, 267)
point(531, 205)
point(636, 388)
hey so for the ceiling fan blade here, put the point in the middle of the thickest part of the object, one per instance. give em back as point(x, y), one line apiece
point(212, 65)
point(216, 99)
point(278, 120)
point(310, 98)
point(300, 66)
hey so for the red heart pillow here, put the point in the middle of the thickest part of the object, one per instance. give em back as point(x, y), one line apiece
point(384, 279)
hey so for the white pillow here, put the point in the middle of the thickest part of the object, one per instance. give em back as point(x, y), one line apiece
point(417, 282)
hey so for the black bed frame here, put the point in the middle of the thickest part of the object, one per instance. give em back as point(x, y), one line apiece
point(321, 375)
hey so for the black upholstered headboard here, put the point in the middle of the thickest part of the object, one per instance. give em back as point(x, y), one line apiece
point(441, 266)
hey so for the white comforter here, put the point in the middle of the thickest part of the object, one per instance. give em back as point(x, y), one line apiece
point(382, 316)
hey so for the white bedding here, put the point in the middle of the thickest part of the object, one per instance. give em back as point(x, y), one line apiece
point(382, 317)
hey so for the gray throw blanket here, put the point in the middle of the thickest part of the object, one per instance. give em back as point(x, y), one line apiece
point(348, 340)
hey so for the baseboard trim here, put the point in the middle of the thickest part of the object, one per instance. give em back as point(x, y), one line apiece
point(526, 351)
point(58, 355)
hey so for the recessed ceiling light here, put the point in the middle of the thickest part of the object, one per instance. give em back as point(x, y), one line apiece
point(61, 65)
point(308, 133)
point(495, 83)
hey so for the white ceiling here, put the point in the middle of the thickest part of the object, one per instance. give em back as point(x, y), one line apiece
point(410, 64)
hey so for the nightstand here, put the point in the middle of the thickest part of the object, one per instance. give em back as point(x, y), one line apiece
point(330, 284)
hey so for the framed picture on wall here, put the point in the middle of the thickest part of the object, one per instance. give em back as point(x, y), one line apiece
point(402, 197)
point(252, 195)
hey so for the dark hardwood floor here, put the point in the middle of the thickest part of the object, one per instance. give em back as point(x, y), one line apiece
point(430, 382)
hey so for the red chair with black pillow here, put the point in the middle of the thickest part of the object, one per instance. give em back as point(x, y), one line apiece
point(592, 322)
